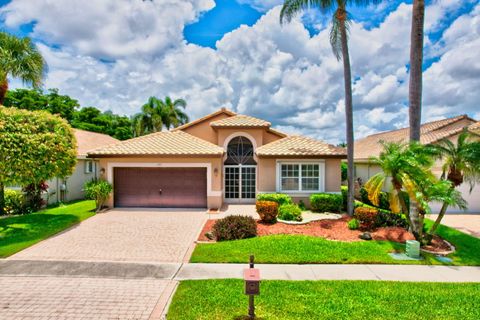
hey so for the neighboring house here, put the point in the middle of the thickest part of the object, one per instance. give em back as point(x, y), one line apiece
point(223, 157)
point(431, 133)
point(71, 188)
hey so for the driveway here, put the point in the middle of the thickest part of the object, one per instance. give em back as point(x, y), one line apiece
point(128, 235)
point(465, 222)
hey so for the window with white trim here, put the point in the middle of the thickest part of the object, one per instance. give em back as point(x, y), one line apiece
point(301, 177)
point(88, 166)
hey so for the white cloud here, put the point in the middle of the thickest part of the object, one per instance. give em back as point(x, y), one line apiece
point(261, 5)
point(266, 70)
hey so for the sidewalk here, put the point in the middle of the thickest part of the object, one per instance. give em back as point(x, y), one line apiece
point(195, 271)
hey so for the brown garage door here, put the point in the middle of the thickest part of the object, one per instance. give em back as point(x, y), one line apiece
point(160, 187)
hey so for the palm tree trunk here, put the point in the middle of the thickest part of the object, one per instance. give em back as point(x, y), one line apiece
point(3, 90)
point(416, 61)
point(347, 75)
point(441, 214)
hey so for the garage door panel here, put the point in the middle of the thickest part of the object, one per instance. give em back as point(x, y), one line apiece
point(160, 187)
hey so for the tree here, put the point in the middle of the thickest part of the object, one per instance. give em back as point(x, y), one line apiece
point(34, 146)
point(339, 43)
point(406, 165)
point(416, 71)
point(99, 191)
point(173, 115)
point(19, 58)
point(461, 164)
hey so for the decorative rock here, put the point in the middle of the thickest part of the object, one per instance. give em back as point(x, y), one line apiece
point(365, 236)
point(209, 235)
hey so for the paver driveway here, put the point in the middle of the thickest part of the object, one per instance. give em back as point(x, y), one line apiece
point(130, 235)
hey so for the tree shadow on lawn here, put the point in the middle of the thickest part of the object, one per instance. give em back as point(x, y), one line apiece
point(28, 229)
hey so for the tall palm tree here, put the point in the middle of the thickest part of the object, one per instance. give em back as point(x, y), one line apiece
point(416, 72)
point(461, 164)
point(173, 115)
point(19, 58)
point(339, 43)
point(149, 119)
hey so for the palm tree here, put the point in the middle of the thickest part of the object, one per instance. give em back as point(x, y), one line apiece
point(149, 119)
point(173, 115)
point(407, 166)
point(19, 58)
point(416, 62)
point(339, 43)
point(461, 164)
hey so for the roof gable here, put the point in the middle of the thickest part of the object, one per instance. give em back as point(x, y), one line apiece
point(300, 146)
point(87, 141)
point(205, 118)
point(241, 121)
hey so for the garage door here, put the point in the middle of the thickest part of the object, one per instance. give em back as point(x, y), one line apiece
point(160, 187)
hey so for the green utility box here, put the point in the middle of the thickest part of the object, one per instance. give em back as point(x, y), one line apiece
point(413, 249)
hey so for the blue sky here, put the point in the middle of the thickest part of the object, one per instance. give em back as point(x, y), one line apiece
point(233, 53)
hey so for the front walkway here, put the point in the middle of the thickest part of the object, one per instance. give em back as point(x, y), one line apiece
point(465, 222)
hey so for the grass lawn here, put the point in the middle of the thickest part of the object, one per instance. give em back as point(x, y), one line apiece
point(20, 232)
point(224, 299)
point(306, 249)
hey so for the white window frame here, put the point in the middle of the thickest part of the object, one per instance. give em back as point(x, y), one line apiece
point(89, 166)
point(321, 176)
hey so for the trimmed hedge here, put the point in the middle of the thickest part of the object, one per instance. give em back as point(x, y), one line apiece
point(290, 212)
point(235, 227)
point(267, 210)
point(279, 198)
point(326, 202)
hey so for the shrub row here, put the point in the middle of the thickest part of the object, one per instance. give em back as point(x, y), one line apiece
point(326, 202)
point(371, 218)
point(279, 198)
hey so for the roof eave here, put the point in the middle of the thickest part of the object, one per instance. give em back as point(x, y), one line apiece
point(196, 155)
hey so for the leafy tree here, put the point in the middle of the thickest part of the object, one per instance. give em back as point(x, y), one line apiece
point(36, 99)
point(19, 58)
point(99, 191)
point(461, 164)
point(339, 43)
point(34, 146)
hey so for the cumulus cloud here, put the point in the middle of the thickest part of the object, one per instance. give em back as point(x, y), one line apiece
point(280, 73)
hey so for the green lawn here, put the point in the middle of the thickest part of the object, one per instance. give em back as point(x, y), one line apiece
point(20, 232)
point(224, 299)
point(306, 249)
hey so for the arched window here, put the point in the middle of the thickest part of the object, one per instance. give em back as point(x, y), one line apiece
point(240, 151)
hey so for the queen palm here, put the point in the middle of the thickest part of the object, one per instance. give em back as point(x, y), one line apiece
point(19, 58)
point(461, 164)
point(149, 119)
point(172, 113)
point(339, 43)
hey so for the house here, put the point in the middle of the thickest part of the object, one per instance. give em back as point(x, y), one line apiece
point(85, 170)
point(223, 157)
point(431, 133)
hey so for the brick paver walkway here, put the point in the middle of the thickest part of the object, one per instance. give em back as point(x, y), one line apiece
point(123, 235)
point(78, 298)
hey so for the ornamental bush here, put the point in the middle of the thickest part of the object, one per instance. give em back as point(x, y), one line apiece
point(353, 224)
point(326, 202)
point(14, 202)
point(98, 190)
point(367, 217)
point(290, 212)
point(235, 227)
point(390, 219)
point(267, 210)
point(279, 198)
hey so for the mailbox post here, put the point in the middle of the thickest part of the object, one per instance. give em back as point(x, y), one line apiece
point(252, 286)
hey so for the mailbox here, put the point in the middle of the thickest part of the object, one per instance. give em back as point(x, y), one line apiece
point(252, 281)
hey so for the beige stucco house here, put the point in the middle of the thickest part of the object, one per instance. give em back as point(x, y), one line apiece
point(431, 133)
point(85, 170)
point(223, 157)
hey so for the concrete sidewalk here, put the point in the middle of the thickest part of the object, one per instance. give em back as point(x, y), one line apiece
point(194, 271)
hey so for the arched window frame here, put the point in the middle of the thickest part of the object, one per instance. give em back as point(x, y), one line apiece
point(240, 134)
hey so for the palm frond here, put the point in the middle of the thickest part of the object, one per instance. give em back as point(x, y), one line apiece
point(374, 187)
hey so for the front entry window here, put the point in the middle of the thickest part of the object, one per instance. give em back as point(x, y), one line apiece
point(240, 170)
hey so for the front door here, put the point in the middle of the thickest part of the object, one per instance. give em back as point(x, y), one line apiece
point(240, 183)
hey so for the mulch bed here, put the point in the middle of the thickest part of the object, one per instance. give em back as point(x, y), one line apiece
point(329, 229)
point(438, 245)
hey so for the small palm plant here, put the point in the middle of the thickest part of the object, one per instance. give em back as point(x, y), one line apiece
point(461, 164)
point(19, 58)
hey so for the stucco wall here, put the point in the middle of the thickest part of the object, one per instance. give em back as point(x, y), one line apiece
point(204, 131)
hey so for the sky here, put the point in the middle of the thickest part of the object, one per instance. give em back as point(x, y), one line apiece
point(234, 53)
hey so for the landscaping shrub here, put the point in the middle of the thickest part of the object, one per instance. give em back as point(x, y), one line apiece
point(235, 227)
point(98, 190)
point(33, 196)
point(267, 210)
point(14, 202)
point(344, 190)
point(326, 202)
point(279, 198)
point(353, 224)
point(367, 217)
point(302, 205)
point(390, 219)
point(290, 212)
